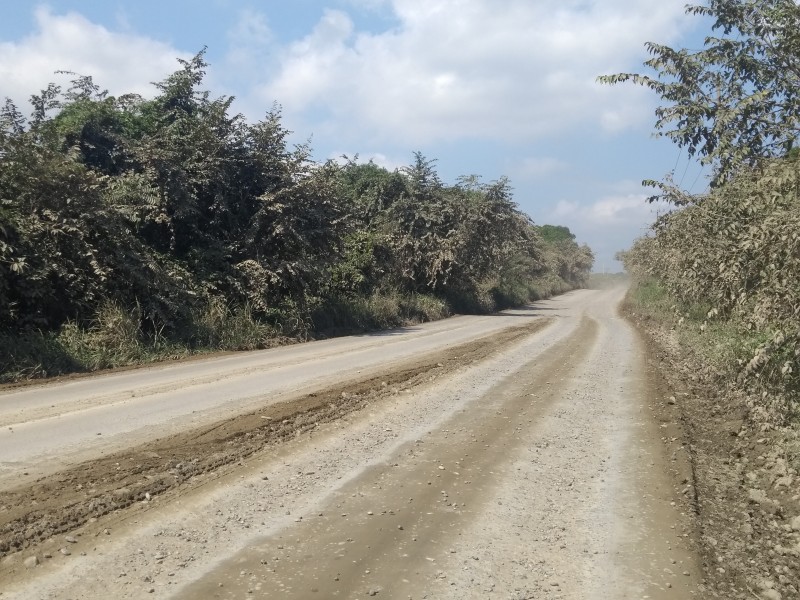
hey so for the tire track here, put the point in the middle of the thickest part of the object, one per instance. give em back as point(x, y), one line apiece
point(63, 501)
point(385, 525)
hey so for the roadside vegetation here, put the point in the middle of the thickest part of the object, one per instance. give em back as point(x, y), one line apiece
point(137, 229)
point(728, 260)
point(716, 287)
point(728, 266)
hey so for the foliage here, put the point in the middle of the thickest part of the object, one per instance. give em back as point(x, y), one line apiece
point(468, 242)
point(554, 234)
point(736, 101)
point(132, 229)
point(734, 256)
point(563, 256)
point(730, 259)
point(384, 309)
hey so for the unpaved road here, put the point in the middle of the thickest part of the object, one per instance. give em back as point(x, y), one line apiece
point(511, 456)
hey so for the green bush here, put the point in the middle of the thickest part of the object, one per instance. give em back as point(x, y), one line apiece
point(733, 258)
point(137, 229)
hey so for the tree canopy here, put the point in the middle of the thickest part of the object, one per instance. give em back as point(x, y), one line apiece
point(736, 101)
point(730, 256)
point(171, 207)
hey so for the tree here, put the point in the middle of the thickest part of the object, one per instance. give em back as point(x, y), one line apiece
point(555, 233)
point(736, 101)
point(423, 221)
point(563, 256)
point(179, 214)
point(294, 237)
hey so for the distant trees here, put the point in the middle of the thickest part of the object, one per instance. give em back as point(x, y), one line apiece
point(563, 256)
point(168, 207)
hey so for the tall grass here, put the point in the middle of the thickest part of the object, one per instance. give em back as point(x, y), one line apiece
point(119, 336)
point(724, 347)
point(218, 326)
point(381, 310)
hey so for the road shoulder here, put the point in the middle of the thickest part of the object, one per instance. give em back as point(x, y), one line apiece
point(741, 487)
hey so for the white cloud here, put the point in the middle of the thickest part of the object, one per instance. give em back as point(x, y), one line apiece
point(249, 40)
point(252, 48)
point(455, 69)
point(625, 210)
point(368, 4)
point(537, 167)
point(380, 159)
point(609, 223)
point(251, 28)
point(119, 62)
point(311, 68)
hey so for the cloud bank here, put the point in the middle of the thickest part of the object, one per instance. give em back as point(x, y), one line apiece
point(510, 70)
point(119, 62)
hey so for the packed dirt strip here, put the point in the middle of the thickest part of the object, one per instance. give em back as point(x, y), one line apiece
point(59, 502)
point(523, 465)
point(99, 415)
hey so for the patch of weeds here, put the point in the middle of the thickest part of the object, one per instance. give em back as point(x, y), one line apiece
point(34, 354)
point(424, 307)
point(220, 327)
point(383, 309)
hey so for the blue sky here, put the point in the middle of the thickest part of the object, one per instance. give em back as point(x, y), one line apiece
point(488, 87)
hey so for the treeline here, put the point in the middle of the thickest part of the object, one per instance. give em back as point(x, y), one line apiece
point(134, 228)
point(729, 258)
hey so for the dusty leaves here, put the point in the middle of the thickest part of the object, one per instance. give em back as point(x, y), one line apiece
point(735, 253)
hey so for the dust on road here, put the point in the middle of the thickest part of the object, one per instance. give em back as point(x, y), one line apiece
point(532, 468)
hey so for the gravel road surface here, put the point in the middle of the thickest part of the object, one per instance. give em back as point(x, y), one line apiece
point(511, 456)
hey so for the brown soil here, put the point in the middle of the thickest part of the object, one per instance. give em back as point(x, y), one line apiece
point(64, 501)
point(477, 445)
point(744, 481)
point(406, 528)
point(520, 465)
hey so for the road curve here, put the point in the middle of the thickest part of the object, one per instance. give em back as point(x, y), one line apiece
point(536, 472)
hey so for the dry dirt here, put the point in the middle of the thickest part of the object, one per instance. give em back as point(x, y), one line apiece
point(62, 501)
point(537, 462)
point(747, 490)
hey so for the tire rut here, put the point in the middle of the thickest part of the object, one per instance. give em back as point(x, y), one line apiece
point(387, 524)
point(61, 502)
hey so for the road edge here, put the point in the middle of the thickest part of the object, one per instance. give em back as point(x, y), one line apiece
point(743, 532)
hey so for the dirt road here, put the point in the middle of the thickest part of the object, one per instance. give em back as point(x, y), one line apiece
point(510, 456)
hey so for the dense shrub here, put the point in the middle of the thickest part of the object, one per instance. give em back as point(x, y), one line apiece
point(734, 255)
point(133, 228)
